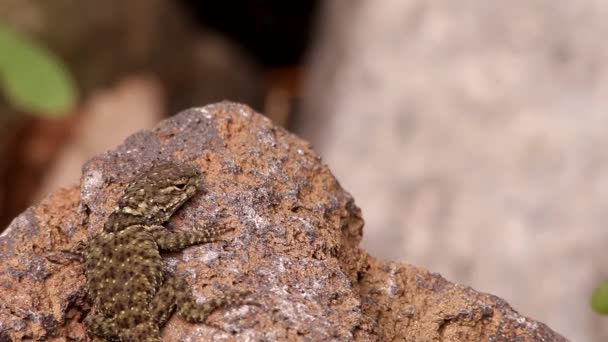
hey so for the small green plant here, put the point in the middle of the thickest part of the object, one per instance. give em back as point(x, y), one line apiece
point(32, 79)
point(599, 299)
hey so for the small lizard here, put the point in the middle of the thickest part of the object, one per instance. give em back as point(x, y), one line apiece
point(131, 296)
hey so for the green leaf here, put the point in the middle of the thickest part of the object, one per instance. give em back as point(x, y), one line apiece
point(32, 79)
point(599, 299)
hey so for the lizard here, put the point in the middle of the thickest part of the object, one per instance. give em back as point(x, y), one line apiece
point(132, 298)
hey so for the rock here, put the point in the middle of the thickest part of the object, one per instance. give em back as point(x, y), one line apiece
point(296, 246)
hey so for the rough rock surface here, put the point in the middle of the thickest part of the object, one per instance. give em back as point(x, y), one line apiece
point(472, 135)
point(296, 246)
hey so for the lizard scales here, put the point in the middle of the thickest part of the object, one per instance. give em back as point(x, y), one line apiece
point(132, 297)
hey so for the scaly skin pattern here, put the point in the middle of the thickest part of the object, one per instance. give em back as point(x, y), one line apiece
point(132, 298)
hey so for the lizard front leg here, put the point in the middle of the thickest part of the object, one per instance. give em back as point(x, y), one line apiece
point(178, 240)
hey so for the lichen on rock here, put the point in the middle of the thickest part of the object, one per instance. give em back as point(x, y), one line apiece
point(295, 245)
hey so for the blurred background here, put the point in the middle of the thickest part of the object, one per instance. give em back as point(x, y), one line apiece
point(470, 133)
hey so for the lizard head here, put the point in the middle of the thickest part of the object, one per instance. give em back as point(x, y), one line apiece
point(152, 197)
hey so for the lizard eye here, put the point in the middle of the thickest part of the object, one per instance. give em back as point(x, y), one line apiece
point(180, 186)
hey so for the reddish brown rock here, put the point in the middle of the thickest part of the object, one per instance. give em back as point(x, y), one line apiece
point(295, 246)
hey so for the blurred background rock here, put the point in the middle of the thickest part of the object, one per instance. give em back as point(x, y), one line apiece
point(470, 133)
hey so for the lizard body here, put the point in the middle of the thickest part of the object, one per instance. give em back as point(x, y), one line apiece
point(132, 297)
